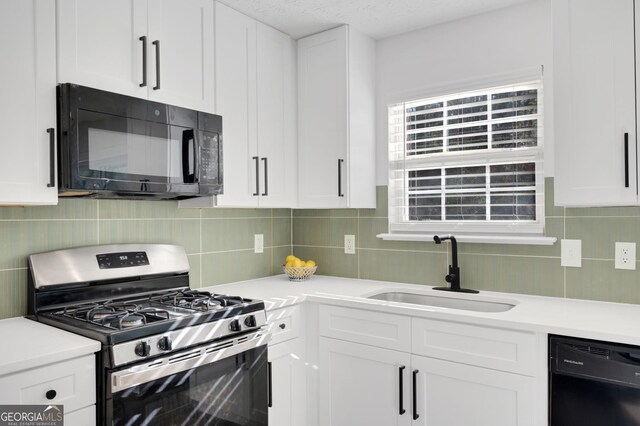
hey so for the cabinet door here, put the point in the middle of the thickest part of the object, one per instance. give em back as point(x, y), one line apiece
point(28, 102)
point(99, 44)
point(287, 384)
point(323, 119)
point(276, 117)
point(457, 394)
point(360, 384)
point(236, 102)
point(595, 102)
point(185, 62)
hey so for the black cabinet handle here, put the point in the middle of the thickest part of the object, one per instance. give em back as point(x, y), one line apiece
point(270, 399)
point(51, 394)
point(340, 161)
point(415, 395)
point(282, 326)
point(143, 39)
point(257, 160)
point(266, 182)
point(626, 160)
point(156, 43)
point(401, 386)
point(52, 158)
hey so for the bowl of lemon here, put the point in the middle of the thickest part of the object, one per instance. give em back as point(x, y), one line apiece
point(297, 269)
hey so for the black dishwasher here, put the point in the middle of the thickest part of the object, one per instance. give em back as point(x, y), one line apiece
point(593, 383)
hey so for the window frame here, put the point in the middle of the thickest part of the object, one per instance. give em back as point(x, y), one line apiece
point(400, 165)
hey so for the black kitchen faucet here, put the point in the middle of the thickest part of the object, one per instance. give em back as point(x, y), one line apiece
point(453, 277)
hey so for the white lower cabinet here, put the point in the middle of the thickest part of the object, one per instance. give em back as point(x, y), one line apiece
point(360, 385)
point(287, 399)
point(449, 393)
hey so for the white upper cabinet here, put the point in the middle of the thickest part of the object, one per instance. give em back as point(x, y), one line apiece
point(28, 102)
point(336, 85)
point(256, 96)
point(595, 128)
point(160, 49)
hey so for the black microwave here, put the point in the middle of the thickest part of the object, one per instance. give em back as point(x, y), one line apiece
point(116, 146)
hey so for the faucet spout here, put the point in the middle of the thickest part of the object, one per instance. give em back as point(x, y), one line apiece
point(453, 277)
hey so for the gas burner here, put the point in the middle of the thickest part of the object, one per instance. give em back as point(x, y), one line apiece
point(131, 320)
point(197, 300)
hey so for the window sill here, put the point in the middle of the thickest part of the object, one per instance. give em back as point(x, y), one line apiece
point(480, 239)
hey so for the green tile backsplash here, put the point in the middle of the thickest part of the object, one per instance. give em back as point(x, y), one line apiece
point(508, 268)
point(219, 243)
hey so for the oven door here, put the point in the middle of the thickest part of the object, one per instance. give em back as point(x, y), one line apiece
point(223, 384)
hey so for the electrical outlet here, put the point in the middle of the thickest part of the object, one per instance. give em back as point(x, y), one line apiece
point(571, 253)
point(626, 256)
point(258, 243)
point(350, 244)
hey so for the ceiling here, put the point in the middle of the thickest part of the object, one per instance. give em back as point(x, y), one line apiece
point(376, 18)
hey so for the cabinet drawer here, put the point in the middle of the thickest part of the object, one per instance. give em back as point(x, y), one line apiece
point(499, 349)
point(284, 324)
point(83, 417)
point(371, 328)
point(73, 381)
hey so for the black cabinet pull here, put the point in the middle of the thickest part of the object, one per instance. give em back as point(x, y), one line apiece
point(270, 399)
point(626, 160)
point(257, 160)
point(156, 43)
point(401, 386)
point(340, 161)
point(51, 394)
point(266, 182)
point(415, 395)
point(143, 39)
point(282, 326)
point(52, 158)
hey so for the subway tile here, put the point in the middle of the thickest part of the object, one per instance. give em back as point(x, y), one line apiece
point(339, 227)
point(234, 234)
point(19, 239)
point(599, 234)
point(325, 213)
point(550, 209)
point(599, 280)
point(330, 261)
point(279, 255)
point(403, 266)
point(281, 213)
point(13, 293)
point(603, 211)
point(512, 274)
point(66, 209)
point(223, 212)
point(281, 228)
point(369, 227)
point(226, 267)
point(139, 209)
point(185, 233)
point(194, 270)
point(311, 231)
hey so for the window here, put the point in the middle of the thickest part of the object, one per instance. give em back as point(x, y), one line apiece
point(469, 162)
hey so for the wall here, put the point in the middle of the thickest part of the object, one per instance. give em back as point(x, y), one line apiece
point(459, 55)
point(219, 242)
point(319, 234)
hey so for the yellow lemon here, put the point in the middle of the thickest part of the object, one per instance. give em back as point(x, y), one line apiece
point(289, 264)
point(290, 258)
point(298, 263)
point(310, 263)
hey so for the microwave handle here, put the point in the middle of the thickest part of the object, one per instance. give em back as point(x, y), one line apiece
point(188, 138)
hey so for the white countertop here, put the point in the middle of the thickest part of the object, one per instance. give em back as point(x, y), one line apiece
point(30, 344)
point(617, 322)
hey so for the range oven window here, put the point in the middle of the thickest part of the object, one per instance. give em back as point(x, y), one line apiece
point(228, 392)
point(126, 149)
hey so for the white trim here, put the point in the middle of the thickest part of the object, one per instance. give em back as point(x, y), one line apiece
point(466, 238)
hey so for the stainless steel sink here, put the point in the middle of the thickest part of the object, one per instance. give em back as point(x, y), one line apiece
point(445, 302)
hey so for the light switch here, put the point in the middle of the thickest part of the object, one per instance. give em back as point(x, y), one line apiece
point(571, 253)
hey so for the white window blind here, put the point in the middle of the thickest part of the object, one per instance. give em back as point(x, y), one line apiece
point(468, 161)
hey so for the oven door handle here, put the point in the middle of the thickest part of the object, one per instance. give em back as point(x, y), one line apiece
point(185, 360)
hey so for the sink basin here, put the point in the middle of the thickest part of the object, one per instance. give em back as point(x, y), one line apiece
point(445, 302)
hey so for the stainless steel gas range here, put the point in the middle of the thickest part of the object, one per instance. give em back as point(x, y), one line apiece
point(170, 355)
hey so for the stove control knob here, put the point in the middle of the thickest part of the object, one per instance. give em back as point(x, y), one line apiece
point(142, 349)
point(250, 321)
point(164, 344)
point(235, 325)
